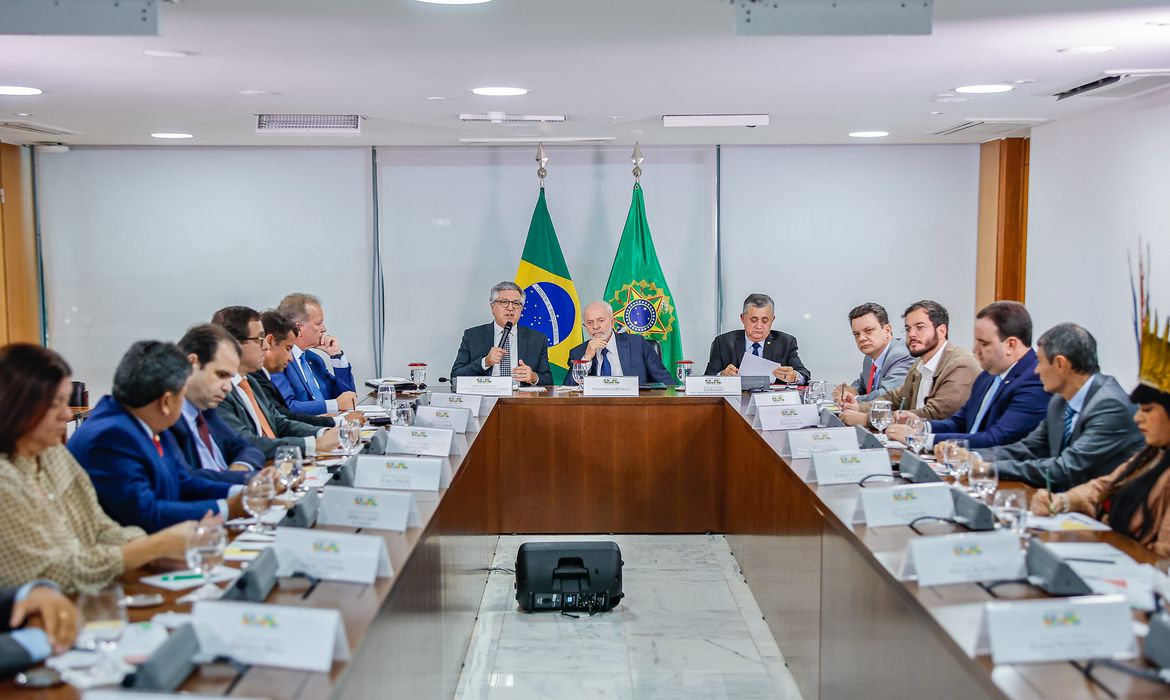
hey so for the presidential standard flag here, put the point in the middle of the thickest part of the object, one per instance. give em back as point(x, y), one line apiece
point(550, 299)
point(637, 289)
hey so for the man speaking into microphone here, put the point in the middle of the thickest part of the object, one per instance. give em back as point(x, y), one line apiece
point(501, 348)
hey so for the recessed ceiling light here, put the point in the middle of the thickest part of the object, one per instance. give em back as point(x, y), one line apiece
point(1087, 49)
point(22, 114)
point(17, 90)
point(868, 134)
point(1023, 81)
point(500, 91)
point(166, 53)
point(257, 93)
point(984, 89)
point(436, 98)
point(171, 135)
point(934, 113)
point(454, 2)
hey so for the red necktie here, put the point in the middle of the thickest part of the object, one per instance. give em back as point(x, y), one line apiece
point(158, 445)
point(204, 431)
point(872, 373)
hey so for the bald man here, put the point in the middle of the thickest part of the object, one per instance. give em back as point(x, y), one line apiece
point(616, 354)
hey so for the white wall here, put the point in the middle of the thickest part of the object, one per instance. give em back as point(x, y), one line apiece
point(825, 228)
point(1099, 181)
point(142, 243)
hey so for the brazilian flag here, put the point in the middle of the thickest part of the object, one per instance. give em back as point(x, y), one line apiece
point(550, 299)
point(637, 290)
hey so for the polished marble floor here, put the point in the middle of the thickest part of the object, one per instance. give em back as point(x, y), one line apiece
point(687, 628)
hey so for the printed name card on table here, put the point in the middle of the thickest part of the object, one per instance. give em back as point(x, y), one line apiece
point(964, 558)
point(610, 386)
point(394, 472)
point(847, 466)
point(802, 443)
point(366, 508)
point(456, 419)
point(773, 398)
point(484, 386)
point(713, 386)
point(306, 639)
point(1057, 629)
point(902, 505)
point(781, 417)
point(413, 440)
point(332, 556)
point(471, 403)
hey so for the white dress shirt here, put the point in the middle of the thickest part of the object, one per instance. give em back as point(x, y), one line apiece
point(927, 370)
point(511, 347)
point(615, 363)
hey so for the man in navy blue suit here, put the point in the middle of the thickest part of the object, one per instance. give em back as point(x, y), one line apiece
point(207, 443)
point(307, 385)
point(136, 467)
point(1007, 398)
point(616, 354)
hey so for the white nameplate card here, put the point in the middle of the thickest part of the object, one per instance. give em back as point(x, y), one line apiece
point(802, 443)
point(713, 386)
point(610, 386)
point(471, 403)
point(302, 638)
point(847, 466)
point(780, 417)
point(413, 440)
point(368, 508)
point(333, 556)
point(394, 472)
point(1057, 629)
point(964, 558)
point(901, 505)
point(773, 398)
point(484, 386)
point(456, 419)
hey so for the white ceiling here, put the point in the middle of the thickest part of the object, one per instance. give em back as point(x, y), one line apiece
point(593, 60)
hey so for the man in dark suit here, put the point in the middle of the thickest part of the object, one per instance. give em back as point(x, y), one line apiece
point(308, 385)
point(1007, 399)
point(280, 335)
point(35, 622)
point(757, 336)
point(524, 353)
point(1089, 429)
point(136, 467)
point(206, 442)
point(616, 354)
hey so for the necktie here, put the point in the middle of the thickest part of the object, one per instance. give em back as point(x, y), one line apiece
point(986, 404)
point(1070, 418)
point(310, 378)
point(506, 363)
point(157, 445)
point(265, 428)
point(756, 349)
point(606, 368)
point(872, 374)
point(204, 431)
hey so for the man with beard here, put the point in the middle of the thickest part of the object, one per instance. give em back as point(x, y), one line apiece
point(939, 382)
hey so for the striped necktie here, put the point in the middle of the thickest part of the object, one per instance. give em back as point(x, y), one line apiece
point(310, 378)
point(1070, 419)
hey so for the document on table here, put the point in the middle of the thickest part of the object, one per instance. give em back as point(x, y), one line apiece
point(1107, 570)
point(1064, 522)
point(752, 366)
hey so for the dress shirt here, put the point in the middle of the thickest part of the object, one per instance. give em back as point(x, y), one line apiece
point(337, 420)
point(33, 639)
point(877, 367)
point(311, 379)
point(1077, 402)
point(310, 441)
point(208, 459)
point(927, 370)
point(499, 330)
point(615, 363)
point(983, 406)
point(747, 347)
point(222, 502)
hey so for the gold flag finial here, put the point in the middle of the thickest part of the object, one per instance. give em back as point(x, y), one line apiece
point(636, 158)
point(542, 158)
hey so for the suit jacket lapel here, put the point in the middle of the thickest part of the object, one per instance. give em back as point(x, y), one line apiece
point(625, 353)
point(185, 440)
point(738, 348)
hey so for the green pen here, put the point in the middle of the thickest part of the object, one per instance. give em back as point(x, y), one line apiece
point(1051, 495)
point(181, 577)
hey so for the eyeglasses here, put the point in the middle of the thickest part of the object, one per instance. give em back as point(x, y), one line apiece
point(508, 304)
point(258, 341)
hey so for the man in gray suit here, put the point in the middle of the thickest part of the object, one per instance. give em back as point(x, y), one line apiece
point(1089, 429)
point(887, 360)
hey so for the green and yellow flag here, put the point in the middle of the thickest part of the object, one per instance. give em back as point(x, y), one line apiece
point(637, 290)
point(550, 299)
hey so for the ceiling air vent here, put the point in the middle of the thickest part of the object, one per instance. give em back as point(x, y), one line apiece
point(338, 124)
point(34, 129)
point(991, 128)
point(1118, 84)
point(504, 118)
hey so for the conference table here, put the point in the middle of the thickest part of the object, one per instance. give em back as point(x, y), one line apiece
point(662, 462)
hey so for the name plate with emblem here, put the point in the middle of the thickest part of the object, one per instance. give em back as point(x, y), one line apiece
point(773, 398)
point(1057, 629)
point(368, 508)
point(964, 558)
point(415, 440)
point(332, 556)
point(610, 386)
point(484, 386)
point(802, 443)
point(471, 403)
point(902, 505)
point(302, 638)
point(713, 386)
point(847, 466)
point(787, 417)
point(394, 472)
point(456, 419)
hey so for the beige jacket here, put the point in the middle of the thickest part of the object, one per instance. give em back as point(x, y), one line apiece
point(957, 370)
point(1089, 497)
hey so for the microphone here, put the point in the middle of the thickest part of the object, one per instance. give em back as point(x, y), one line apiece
point(443, 380)
point(504, 335)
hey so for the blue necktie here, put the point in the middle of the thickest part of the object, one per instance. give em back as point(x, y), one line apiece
point(987, 399)
point(310, 379)
point(756, 349)
point(606, 369)
point(1070, 418)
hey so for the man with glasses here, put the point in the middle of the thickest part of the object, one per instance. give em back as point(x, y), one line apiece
point(485, 351)
point(308, 385)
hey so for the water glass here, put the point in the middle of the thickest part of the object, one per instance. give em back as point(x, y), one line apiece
point(880, 415)
point(682, 370)
point(350, 434)
point(580, 370)
point(103, 618)
point(205, 548)
point(418, 373)
point(983, 477)
point(258, 496)
point(288, 464)
point(916, 434)
point(1011, 509)
point(817, 392)
point(402, 414)
point(386, 396)
point(955, 455)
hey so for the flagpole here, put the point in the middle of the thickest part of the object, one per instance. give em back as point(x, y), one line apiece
point(542, 158)
point(636, 158)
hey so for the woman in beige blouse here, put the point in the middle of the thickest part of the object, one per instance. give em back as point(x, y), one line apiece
point(1135, 499)
point(50, 522)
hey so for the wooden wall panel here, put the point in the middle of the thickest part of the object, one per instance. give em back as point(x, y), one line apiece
point(1003, 221)
point(20, 319)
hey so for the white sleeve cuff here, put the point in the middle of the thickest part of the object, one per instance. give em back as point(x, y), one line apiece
point(223, 506)
point(235, 488)
point(331, 405)
point(483, 363)
point(310, 446)
point(340, 361)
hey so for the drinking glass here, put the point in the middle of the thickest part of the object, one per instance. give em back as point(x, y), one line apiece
point(402, 414)
point(880, 415)
point(103, 619)
point(580, 369)
point(351, 435)
point(418, 373)
point(955, 452)
point(682, 370)
point(983, 477)
point(258, 496)
point(816, 392)
point(205, 548)
point(1011, 509)
point(386, 396)
point(288, 464)
point(915, 434)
